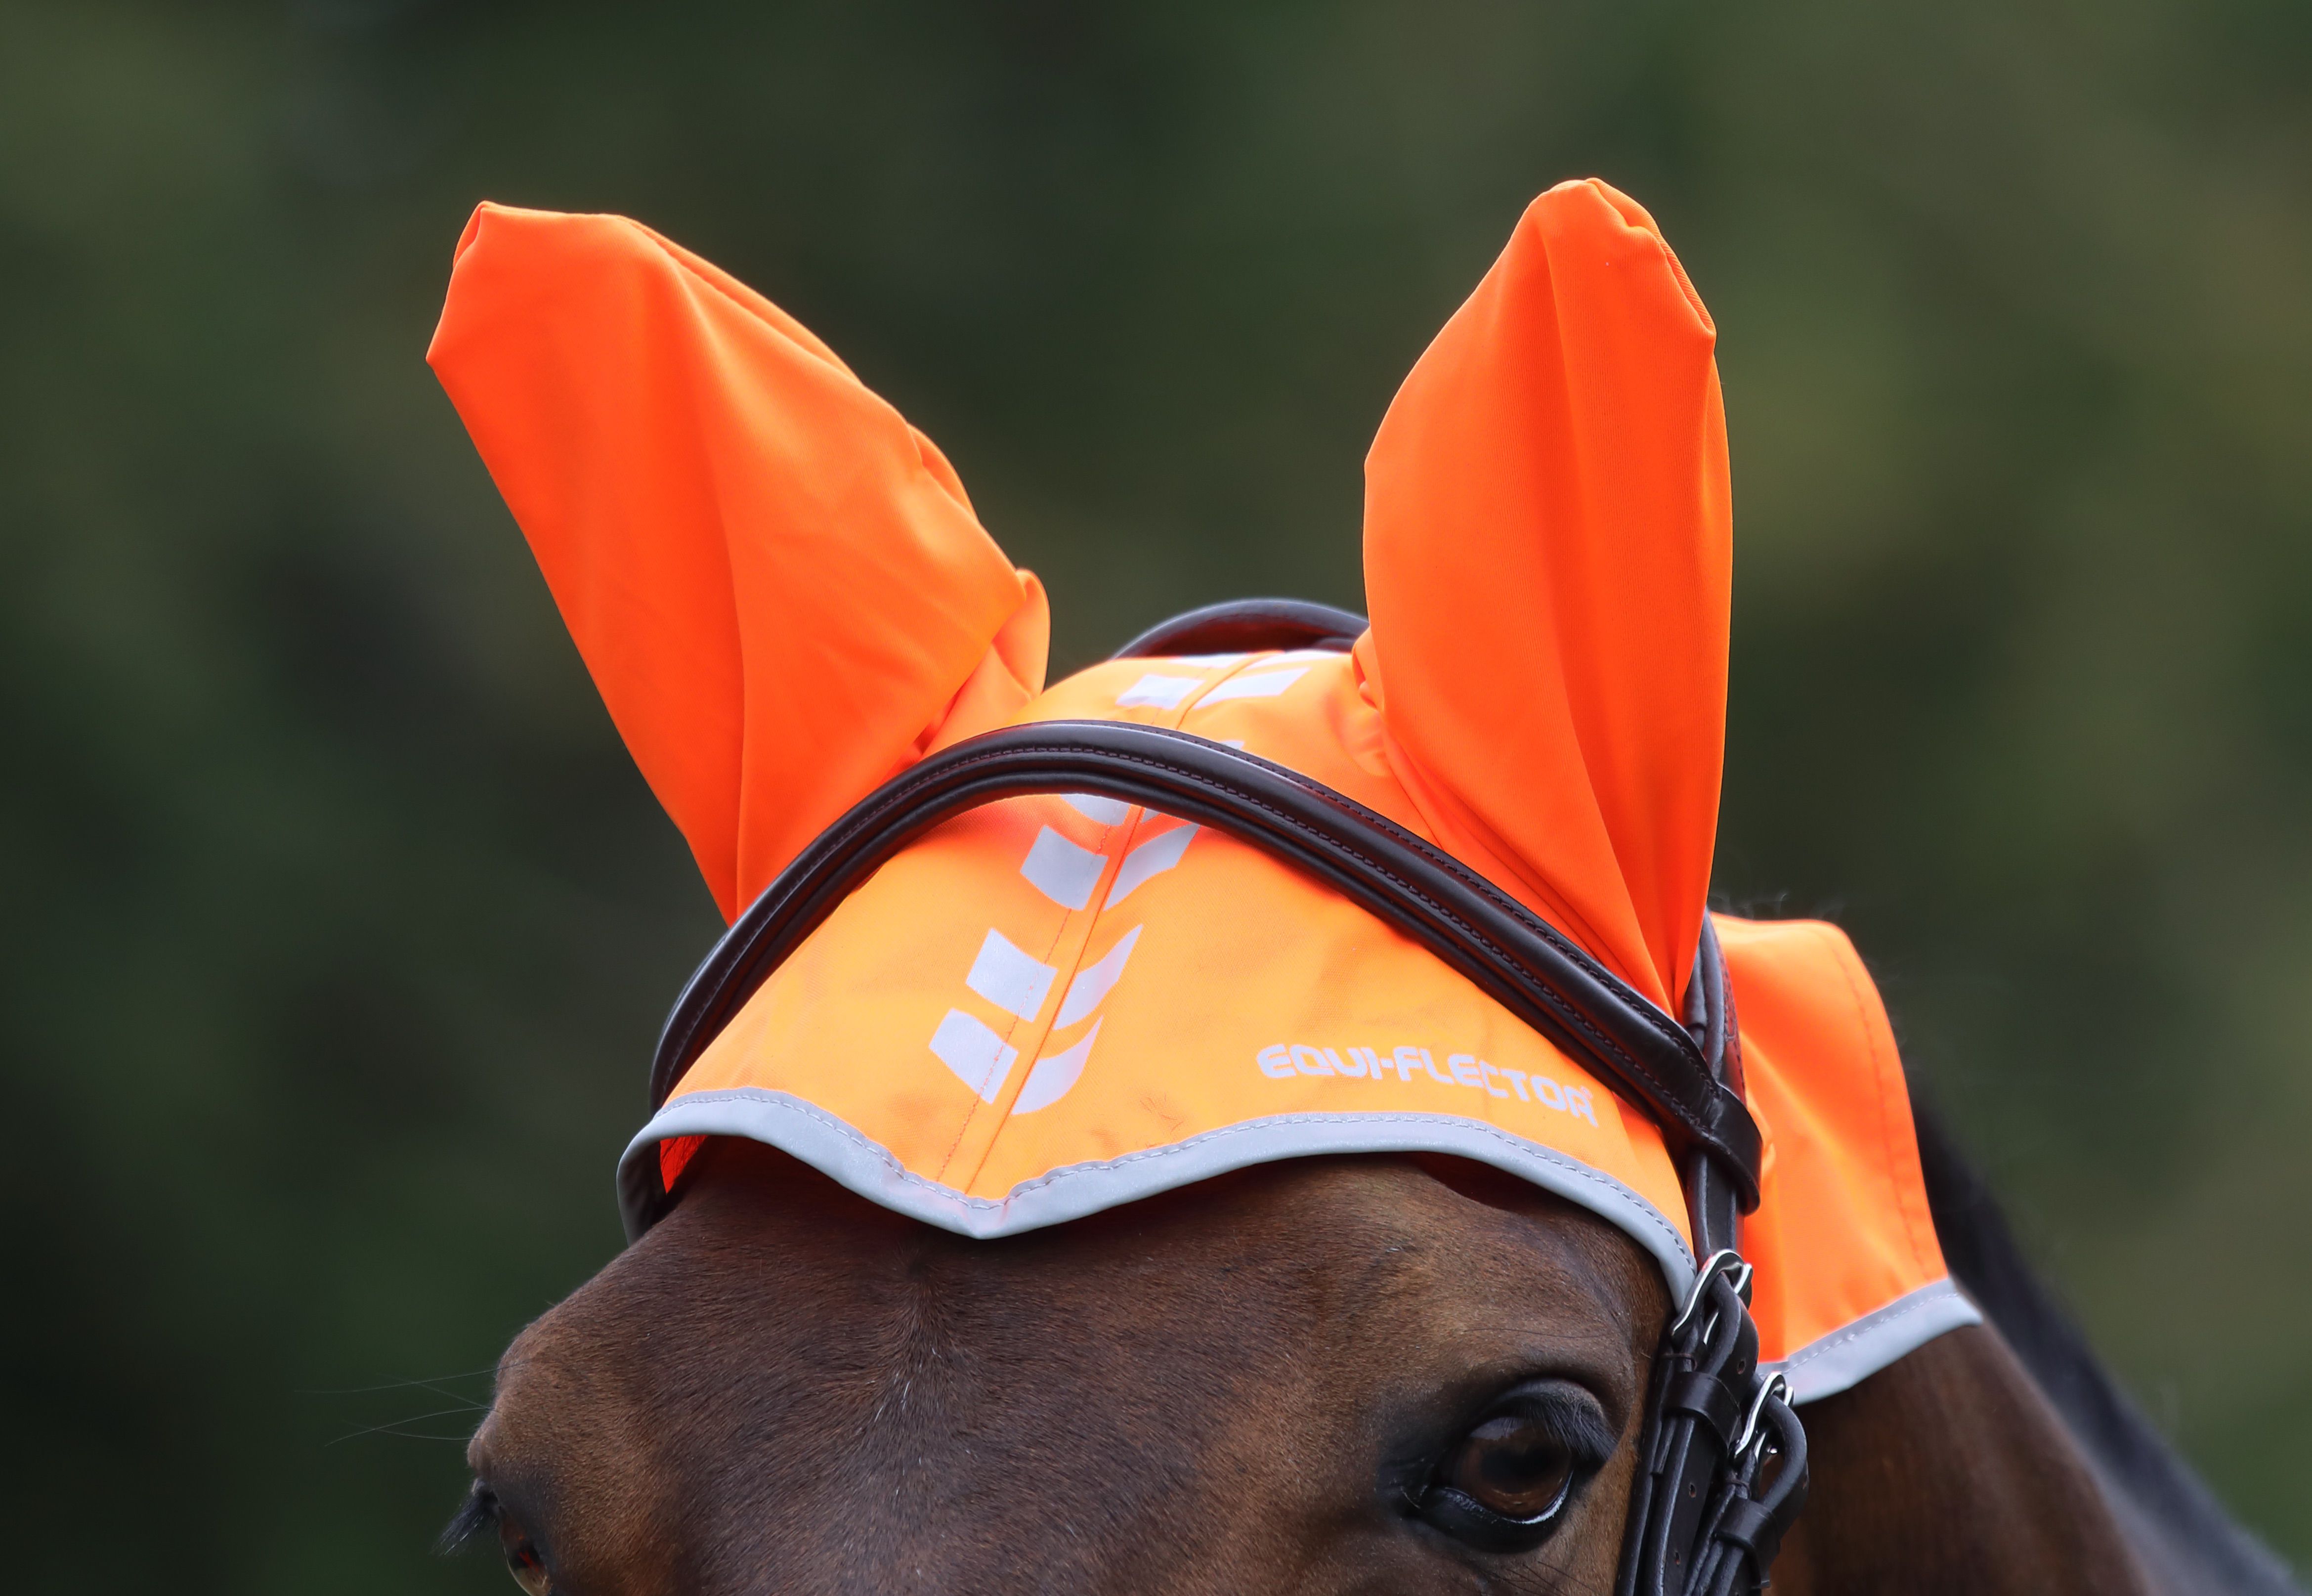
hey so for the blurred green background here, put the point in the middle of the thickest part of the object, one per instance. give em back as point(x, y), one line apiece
point(338, 927)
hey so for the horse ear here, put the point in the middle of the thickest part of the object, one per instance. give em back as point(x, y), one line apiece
point(1548, 559)
point(778, 584)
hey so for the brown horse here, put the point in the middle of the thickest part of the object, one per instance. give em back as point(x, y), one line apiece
point(1321, 1372)
point(1252, 1383)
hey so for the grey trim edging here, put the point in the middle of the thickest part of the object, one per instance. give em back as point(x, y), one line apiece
point(1853, 1352)
point(851, 1160)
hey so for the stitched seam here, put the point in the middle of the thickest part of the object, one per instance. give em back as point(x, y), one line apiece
point(1180, 716)
point(1096, 911)
point(972, 1110)
point(1870, 1323)
point(786, 1103)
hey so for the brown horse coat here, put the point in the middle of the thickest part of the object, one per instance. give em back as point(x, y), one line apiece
point(1235, 1387)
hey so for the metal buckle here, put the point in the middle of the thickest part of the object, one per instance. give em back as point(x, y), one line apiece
point(1725, 1261)
point(1769, 1389)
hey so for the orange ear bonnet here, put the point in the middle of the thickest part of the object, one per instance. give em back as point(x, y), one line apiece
point(1050, 1006)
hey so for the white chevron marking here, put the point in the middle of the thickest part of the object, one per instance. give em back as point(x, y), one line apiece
point(1104, 812)
point(1161, 692)
point(1061, 871)
point(1256, 684)
point(980, 1058)
point(1151, 858)
point(1096, 981)
point(1053, 1078)
point(1013, 981)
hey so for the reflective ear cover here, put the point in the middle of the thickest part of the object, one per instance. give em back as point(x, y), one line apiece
point(784, 596)
point(1722, 1457)
point(1548, 556)
point(778, 584)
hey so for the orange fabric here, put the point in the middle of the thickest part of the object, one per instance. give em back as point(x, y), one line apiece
point(1053, 1005)
point(1843, 1230)
point(981, 932)
point(1547, 557)
point(778, 584)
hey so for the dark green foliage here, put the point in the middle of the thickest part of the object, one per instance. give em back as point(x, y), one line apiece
point(338, 927)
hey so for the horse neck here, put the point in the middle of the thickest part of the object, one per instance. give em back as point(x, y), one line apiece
point(1951, 1471)
point(2180, 1533)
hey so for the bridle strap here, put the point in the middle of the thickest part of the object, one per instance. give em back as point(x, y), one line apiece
point(1714, 1205)
point(1703, 1520)
point(1248, 626)
point(1503, 948)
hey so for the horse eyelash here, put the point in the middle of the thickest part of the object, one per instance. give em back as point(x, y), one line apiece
point(1574, 1423)
point(479, 1513)
point(1582, 1430)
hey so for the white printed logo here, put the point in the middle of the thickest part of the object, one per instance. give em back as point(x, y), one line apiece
point(1283, 1061)
point(1018, 983)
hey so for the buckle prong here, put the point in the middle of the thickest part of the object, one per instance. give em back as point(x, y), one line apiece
point(1769, 1389)
point(1726, 1261)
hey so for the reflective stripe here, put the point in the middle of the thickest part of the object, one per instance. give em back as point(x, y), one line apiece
point(1831, 1363)
point(851, 1160)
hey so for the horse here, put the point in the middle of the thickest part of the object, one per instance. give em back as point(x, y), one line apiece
point(1366, 1324)
point(1240, 1385)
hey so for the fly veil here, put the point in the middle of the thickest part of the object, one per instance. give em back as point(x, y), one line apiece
point(1272, 883)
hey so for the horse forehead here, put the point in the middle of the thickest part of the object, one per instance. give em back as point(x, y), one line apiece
point(768, 1267)
point(780, 1351)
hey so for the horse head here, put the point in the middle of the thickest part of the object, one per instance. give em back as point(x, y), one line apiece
point(1315, 1375)
point(1269, 1111)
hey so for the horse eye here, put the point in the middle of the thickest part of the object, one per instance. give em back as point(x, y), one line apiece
point(1512, 1465)
point(1504, 1485)
point(528, 1569)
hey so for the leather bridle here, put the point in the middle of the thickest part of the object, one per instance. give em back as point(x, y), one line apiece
point(1722, 1457)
